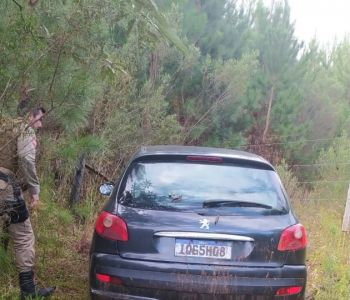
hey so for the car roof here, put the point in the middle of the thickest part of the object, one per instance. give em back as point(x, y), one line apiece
point(164, 150)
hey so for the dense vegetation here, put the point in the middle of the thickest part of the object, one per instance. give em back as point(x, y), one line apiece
point(118, 74)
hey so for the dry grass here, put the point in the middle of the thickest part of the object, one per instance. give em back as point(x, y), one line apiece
point(62, 247)
point(328, 249)
point(321, 211)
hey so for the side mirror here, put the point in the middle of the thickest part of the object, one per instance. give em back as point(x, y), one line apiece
point(106, 188)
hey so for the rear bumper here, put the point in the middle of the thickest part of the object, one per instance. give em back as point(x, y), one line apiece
point(144, 280)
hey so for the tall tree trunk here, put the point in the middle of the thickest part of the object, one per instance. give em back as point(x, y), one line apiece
point(146, 125)
point(77, 181)
point(268, 115)
point(153, 67)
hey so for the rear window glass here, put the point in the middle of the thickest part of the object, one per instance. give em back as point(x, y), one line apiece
point(189, 186)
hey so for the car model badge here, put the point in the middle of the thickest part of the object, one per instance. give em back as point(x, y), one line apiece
point(204, 224)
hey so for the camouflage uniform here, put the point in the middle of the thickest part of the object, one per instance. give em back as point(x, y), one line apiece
point(17, 167)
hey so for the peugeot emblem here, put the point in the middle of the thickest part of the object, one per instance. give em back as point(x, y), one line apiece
point(204, 224)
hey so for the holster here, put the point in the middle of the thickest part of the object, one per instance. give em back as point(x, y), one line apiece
point(16, 209)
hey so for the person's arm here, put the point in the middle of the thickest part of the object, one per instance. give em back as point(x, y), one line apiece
point(26, 148)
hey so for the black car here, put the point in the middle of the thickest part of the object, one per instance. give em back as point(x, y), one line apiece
point(197, 223)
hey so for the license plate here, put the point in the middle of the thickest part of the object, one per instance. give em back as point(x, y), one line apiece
point(203, 248)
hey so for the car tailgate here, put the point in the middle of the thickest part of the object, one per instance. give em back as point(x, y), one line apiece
point(188, 237)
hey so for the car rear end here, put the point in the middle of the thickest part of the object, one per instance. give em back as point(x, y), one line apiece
point(198, 223)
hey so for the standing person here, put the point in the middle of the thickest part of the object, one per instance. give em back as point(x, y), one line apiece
point(17, 166)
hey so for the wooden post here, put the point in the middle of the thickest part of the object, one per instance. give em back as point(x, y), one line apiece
point(77, 181)
point(346, 218)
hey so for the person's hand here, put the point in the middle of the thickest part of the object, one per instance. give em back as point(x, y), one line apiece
point(34, 200)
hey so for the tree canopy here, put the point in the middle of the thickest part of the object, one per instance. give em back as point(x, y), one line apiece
point(115, 75)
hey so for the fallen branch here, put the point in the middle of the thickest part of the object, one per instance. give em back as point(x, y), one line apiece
point(93, 170)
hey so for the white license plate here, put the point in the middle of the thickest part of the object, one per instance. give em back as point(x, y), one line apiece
point(203, 248)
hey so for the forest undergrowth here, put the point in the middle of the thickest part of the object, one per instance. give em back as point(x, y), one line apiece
point(114, 75)
point(63, 235)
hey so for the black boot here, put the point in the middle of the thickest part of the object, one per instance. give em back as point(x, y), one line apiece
point(29, 290)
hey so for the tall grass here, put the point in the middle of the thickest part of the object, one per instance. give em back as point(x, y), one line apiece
point(63, 234)
point(321, 211)
point(62, 244)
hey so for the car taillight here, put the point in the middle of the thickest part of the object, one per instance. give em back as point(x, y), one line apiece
point(290, 290)
point(108, 279)
point(111, 227)
point(293, 238)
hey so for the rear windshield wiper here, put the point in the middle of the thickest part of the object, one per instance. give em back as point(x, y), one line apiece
point(233, 203)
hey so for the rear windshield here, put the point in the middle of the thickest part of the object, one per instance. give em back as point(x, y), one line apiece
point(192, 186)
